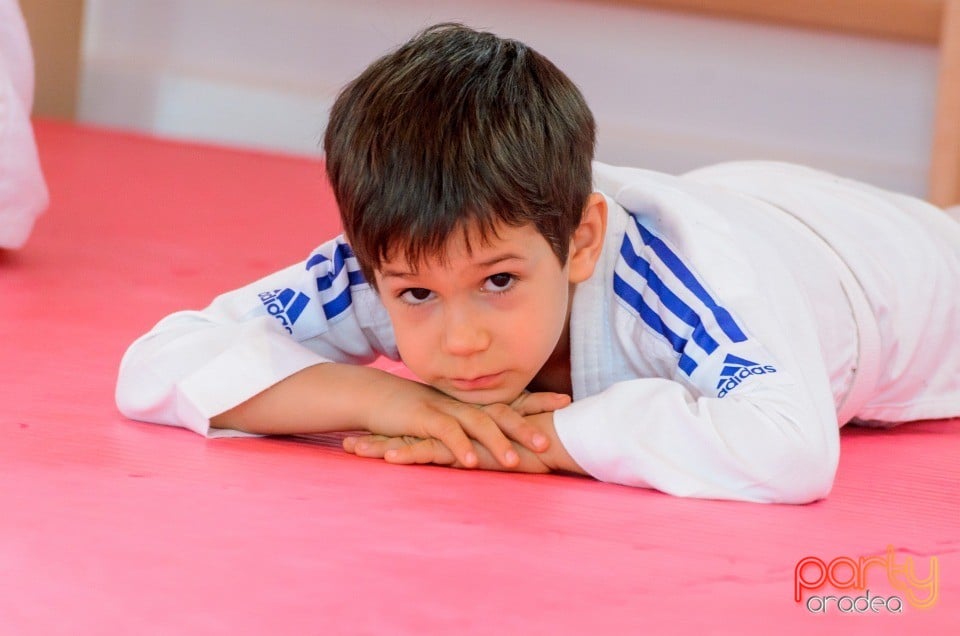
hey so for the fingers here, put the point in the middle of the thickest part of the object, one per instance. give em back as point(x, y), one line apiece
point(425, 451)
point(494, 427)
point(453, 433)
point(400, 450)
point(458, 426)
point(514, 426)
point(371, 445)
point(349, 443)
point(484, 425)
point(543, 402)
point(453, 428)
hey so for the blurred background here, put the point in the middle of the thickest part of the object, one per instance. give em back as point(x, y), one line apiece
point(671, 91)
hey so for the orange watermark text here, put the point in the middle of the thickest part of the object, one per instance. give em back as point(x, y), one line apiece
point(814, 577)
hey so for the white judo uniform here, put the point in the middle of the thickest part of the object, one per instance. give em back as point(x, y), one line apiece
point(738, 316)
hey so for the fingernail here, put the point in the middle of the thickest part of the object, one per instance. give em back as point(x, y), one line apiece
point(539, 440)
point(362, 446)
point(470, 459)
point(391, 454)
point(511, 457)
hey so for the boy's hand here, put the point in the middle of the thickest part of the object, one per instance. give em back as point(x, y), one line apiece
point(414, 450)
point(412, 410)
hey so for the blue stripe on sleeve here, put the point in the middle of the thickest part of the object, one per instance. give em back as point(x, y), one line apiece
point(314, 260)
point(342, 252)
point(326, 282)
point(337, 306)
point(687, 364)
point(670, 300)
point(340, 256)
point(673, 262)
point(633, 298)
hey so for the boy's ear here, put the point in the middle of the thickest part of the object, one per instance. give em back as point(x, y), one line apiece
point(586, 244)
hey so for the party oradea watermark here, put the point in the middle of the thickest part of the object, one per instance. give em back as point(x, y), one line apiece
point(874, 584)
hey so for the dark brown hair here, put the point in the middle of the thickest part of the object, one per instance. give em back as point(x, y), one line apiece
point(457, 129)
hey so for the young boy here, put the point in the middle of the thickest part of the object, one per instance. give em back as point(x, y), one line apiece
point(712, 329)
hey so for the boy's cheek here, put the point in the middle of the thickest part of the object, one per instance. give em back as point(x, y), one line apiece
point(410, 340)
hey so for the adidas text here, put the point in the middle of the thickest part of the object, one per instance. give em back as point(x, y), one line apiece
point(742, 374)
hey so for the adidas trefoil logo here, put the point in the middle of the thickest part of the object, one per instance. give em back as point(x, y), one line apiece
point(285, 305)
point(736, 370)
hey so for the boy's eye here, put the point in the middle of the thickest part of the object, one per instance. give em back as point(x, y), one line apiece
point(416, 295)
point(499, 282)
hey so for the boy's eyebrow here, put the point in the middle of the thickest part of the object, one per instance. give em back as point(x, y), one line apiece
point(499, 259)
point(393, 273)
point(490, 262)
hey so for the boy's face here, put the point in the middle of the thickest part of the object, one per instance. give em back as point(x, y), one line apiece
point(480, 325)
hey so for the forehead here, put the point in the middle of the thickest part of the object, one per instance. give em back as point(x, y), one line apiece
point(472, 245)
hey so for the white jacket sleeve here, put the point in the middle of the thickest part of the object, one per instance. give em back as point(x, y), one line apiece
point(656, 433)
point(722, 391)
point(196, 364)
point(23, 192)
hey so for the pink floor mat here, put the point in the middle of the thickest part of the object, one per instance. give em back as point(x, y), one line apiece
point(109, 526)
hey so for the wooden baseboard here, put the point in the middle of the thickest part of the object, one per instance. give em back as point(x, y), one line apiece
point(933, 21)
point(56, 30)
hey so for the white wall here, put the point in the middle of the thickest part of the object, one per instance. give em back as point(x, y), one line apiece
point(670, 91)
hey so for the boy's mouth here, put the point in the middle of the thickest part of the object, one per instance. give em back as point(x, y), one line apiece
point(476, 383)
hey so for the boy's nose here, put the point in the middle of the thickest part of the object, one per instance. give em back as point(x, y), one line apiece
point(464, 335)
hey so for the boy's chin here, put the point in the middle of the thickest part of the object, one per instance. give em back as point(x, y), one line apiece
point(483, 398)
